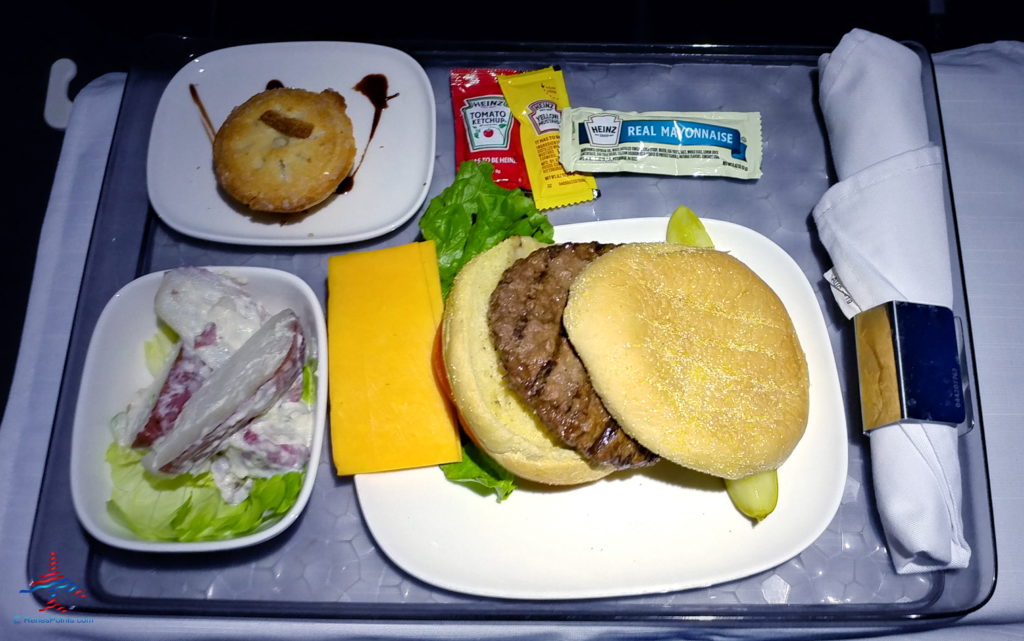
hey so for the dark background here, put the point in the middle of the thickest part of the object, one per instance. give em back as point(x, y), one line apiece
point(97, 36)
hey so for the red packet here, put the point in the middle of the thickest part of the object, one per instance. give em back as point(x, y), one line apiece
point(485, 129)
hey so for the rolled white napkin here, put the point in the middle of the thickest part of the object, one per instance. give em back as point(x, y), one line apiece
point(884, 226)
point(872, 100)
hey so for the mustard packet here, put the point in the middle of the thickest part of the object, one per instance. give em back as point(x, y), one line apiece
point(687, 143)
point(537, 99)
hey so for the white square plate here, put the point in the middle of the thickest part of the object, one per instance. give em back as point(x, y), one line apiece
point(389, 187)
point(653, 531)
point(115, 369)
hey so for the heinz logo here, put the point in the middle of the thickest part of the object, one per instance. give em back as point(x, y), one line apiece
point(603, 129)
point(488, 122)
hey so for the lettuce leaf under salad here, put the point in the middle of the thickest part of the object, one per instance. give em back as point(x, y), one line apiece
point(189, 507)
point(469, 217)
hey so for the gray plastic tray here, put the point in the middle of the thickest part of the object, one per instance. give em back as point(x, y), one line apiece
point(327, 564)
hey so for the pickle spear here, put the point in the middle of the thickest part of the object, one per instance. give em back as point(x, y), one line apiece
point(755, 495)
point(685, 228)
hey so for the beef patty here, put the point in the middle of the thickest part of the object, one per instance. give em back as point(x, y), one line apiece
point(525, 319)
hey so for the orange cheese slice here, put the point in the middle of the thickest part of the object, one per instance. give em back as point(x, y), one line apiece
point(387, 411)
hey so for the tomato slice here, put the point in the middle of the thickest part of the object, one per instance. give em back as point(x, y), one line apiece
point(441, 378)
point(437, 363)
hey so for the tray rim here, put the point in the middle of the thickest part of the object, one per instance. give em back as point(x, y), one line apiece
point(887, 614)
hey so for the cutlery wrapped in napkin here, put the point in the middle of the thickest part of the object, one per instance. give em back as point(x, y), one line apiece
point(884, 226)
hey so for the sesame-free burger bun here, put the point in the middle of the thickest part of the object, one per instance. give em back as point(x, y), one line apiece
point(494, 417)
point(693, 354)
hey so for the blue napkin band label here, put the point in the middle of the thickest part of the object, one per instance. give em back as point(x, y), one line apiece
point(908, 361)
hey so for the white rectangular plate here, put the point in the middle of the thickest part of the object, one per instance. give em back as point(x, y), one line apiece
point(658, 530)
point(389, 187)
point(115, 369)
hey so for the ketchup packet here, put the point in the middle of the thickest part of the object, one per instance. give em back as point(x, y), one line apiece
point(485, 130)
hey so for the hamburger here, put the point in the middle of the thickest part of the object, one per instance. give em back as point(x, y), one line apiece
point(569, 362)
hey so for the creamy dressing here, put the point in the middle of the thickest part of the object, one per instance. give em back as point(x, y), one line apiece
point(127, 424)
point(275, 443)
point(235, 323)
point(211, 313)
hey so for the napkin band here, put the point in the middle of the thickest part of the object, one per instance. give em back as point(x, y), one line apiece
point(908, 365)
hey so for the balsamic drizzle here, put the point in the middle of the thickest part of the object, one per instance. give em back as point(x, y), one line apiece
point(375, 87)
point(211, 131)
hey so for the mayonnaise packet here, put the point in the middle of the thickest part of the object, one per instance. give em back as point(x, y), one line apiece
point(536, 99)
point(715, 143)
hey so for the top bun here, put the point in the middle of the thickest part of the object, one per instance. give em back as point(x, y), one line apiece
point(693, 354)
point(494, 416)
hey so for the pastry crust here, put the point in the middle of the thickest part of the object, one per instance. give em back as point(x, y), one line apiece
point(285, 150)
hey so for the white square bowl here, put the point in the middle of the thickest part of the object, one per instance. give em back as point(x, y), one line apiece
point(115, 369)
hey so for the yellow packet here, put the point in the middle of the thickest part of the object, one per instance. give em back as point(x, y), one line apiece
point(536, 99)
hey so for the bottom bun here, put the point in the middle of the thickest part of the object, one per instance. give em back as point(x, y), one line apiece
point(493, 416)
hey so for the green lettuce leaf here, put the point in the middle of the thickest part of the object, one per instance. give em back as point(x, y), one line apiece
point(474, 214)
point(309, 382)
point(188, 507)
point(480, 472)
point(158, 349)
